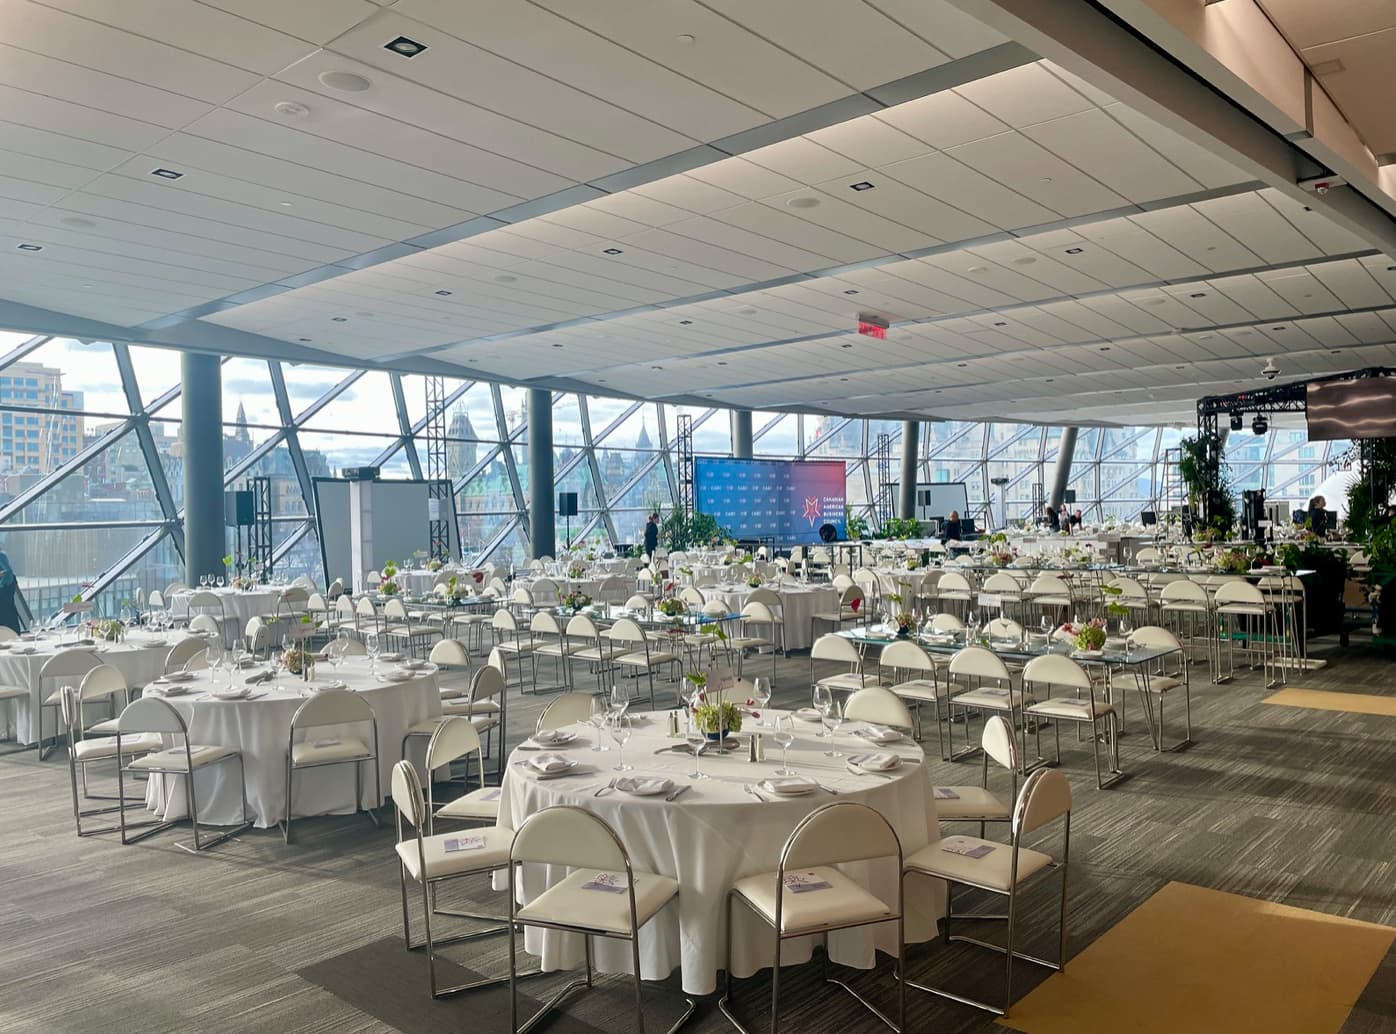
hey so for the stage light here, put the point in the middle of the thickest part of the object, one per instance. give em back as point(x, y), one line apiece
point(1237, 421)
point(1260, 425)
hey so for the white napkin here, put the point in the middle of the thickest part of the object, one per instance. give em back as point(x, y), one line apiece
point(550, 763)
point(877, 734)
point(390, 656)
point(875, 762)
point(644, 786)
point(789, 785)
point(547, 736)
point(238, 693)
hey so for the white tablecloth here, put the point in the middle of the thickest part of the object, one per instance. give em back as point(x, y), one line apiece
point(236, 603)
point(716, 834)
point(259, 727)
point(136, 658)
point(799, 603)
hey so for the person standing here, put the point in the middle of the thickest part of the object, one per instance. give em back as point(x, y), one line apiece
point(9, 587)
point(652, 534)
point(953, 529)
point(1318, 516)
point(1054, 522)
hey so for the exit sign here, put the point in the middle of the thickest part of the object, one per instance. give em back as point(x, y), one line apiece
point(872, 325)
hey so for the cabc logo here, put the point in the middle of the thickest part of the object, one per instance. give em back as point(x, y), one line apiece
point(813, 509)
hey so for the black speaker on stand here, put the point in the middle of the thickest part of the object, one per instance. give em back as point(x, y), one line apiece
point(239, 512)
point(567, 507)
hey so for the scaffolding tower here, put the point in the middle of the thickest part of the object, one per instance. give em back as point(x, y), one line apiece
point(683, 445)
point(259, 535)
point(884, 478)
point(439, 506)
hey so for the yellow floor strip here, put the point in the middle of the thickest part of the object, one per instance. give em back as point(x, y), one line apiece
point(1201, 961)
point(1323, 700)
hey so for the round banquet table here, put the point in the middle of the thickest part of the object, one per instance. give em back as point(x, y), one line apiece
point(259, 726)
point(716, 834)
point(140, 658)
point(242, 604)
point(799, 604)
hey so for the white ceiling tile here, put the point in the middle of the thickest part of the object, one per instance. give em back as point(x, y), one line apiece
point(869, 141)
point(950, 183)
point(838, 215)
point(1015, 161)
point(1024, 96)
point(317, 21)
point(801, 160)
point(1198, 162)
point(1192, 234)
point(1116, 157)
point(943, 120)
point(58, 116)
point(1258, 226)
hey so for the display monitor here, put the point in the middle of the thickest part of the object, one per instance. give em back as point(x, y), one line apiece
point(1361, 408)
point(787, 501)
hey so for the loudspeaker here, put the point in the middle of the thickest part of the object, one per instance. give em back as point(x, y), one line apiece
point(828, 533)
point(360, 473)
point(237, 509)
point(1069, 496)
point(567, 504)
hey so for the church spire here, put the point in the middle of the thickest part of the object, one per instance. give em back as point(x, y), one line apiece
point(242, 433)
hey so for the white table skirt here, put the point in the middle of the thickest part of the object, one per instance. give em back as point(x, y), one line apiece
point(717, 834)
point(236, 603)
point(135, 658)
point(259, 728)
point(798, 605)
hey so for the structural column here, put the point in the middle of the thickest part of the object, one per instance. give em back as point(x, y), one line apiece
point(201, 394)
point(741, 434)
point(542, 517)
point(1061, 475)
point(911, 446)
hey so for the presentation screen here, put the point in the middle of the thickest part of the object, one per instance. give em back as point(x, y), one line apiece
point(784, 500)
point(937, 499)
point(1363, 408)
point(401, 524)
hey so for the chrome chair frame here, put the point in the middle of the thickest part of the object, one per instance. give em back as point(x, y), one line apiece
point(358, 763)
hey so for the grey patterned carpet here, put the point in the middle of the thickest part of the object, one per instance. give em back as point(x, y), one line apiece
point(1278, 803)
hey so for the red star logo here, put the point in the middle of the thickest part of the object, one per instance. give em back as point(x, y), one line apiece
point(811, 509)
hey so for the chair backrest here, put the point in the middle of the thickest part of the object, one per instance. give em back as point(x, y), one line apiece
point(395, 610)
point(715, 609)
point(1153, 637)
point(1239, 592)
point(504, 621)
point(344, 607)
point(693, 596)
point(354, 647)
point(977, 662)
point(998, 742)
point(451, 653)
point(767, 596)
point(840, 832)
point(878, 705)
point(333, 707)
point(567, 835)
point(849, 594)
point(205, 601)
point(365, 608)
point(1049, 585)
point(564, 710)
point(187, 655)
point(487, 682)
point(150, 714)
point(175, 587)
point(407, 795)
point(1001, 581)
point(903, 653)
point(454, 738)
point(68, 664)
point(7, 633)
point(70, 711)
point(316, 604)
point(1045, 796)
point(522, 597)
point(637, 602)
point(336, 589)
point(495, 660)
point(545, 623)
point(1054, 669)
point(952, 583)
point(581, 626)
point(830, 647)
point(1184, 590)
point(204, 623)
point(842, 581)
point(946, 623)
point(1004, 628)
point(102, 681)
point(1129, 588)
point(758, 613)
point(627, 631)
point(156, 600)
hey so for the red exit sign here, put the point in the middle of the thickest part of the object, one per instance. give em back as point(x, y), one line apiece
point(876, 330)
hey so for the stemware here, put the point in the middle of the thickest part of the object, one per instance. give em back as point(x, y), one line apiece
point(620, 733)
point(833, 721)
point(783, 737)
point(372, 644)
point(761, 693)
point(600, 712)
point(823, 700)
point(620, 701)
point(697, 739)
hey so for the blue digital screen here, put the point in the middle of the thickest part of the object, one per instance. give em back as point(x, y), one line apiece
point(785, 500)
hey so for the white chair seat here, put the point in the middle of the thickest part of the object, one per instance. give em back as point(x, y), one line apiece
point(557, 649)
point(472, 805)
point(440, 862)
point(568, 903)
point(994, 870)
point(971, 802)
point(1254, 610)
point(341, 748)
point(844, 615)
point(850, 682)
point(106, 728)
point(13, 692)
point(1071, 708)
point(844, 903)
point(520, 646)
point(993, 698)
point(1051, 601)
point(460, 705)
point(917, 689)
point(748, 642)
point(639, 659)
point(105, 748)
point(176, 760)
point(605, 652)
point(484, 722)
point(426, 727)
point(1157, 683)
point(411, 630)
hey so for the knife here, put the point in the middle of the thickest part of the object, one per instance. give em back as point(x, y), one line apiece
point(679, 792)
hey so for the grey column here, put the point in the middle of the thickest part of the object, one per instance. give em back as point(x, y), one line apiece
point(911, 447)
point(201, 391)
point(542, 517)
point(741, 434)
point(1061, 475)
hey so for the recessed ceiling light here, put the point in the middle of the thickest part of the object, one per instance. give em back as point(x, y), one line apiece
point(962, 365)
point(1277, 328)
point(77, 221)
point(285, 204)
point(1026, 260)
point(291, 109)
point(1333, 352)
point(1050, 380)
point(1001, 323)
point(404, 46)
point(168, 174)
point(846, 344)
point(802, 202)
point(843, 380)
point(612, 251)
point(722, 362)
point(1179, 367)
point(1074, 251)
point(850, 291)
point(685, 39)
point(339, 319)
point(1198, 294)
point(685, 323)
point(505, 278)
point(1105, 348)
point(601, 380)
point(445, 294)
point(746, 312)
point(1391, 269)
point(656, 367)
point(977, 269)
point(348, 82)
point(31, 247)
point(557, 344)
point(302, 339)
point(861, 185)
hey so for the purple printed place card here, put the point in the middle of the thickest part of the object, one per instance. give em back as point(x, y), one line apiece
point(493, 795)
point(804, 882)
point(609, 882)
point(967, 848)
point(453, 844)
point(944, 793)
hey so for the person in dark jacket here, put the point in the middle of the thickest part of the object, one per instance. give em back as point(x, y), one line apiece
point(1054, 522)
point(9, 586)
point(952, 528)
point(652, 534)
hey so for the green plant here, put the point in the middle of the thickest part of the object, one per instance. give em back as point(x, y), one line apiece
point(711, 718)
point(1207, 479)
point(1112, 605)
point(1381, 550)
point(856, 524)
point(673, 607)
point(680, 531)
point(900, 528)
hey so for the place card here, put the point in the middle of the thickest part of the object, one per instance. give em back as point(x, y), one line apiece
point(453, 844)
point(804, 882)
point(944, 793)
point(966, 848)
point(325, 743)
point(608, 882)
point(493, 795)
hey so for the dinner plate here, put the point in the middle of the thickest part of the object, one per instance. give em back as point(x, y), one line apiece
point(560, 738)
point(242, 694)
point(1088, 653)
point(787, 788)
point(854, 764)
point(571, 767)
point(178, 676)
point(399, 675)
point(645, 786)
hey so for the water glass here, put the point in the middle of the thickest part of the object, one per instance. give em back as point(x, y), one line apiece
point(620, 701)
point(833, 722)
point(697, 739)
point(372, 644)
point(620, 734)
point(783, 737)
point(600, 712)
point(761, 693)
point(823, 700)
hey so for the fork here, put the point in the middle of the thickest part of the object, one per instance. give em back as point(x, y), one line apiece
point(609, 786)
point(752, 790)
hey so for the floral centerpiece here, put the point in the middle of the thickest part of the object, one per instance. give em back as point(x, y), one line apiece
point(295, 659)
point(1233, 561)
point(1088, 636)
point(711, 717)
point(577, 571)
point(754, 581)
point(456, 589)
point(433, 564)
point(109, 629)
point(388, 586)
point(912, 563)
point(747, 558)
point(672, 607)
point(1002, 557)
point(728, 560)
point(575, 601)
point(905, 623)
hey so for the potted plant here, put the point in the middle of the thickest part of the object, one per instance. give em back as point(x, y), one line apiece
point(711, 718)
point(575, 601)
point(1088, 637)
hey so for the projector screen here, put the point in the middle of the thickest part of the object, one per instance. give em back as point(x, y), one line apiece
point(937, 499)
point(1363, 408)
point(401, 525)
point(784, 500)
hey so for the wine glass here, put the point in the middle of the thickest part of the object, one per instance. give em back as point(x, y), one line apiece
point(372, 644)
point(697, 739)
point(620, 733)
point(620, 701)
point(761, 693)
point(600, 712)
point(834, 722)
point(823, 699)
point(783, 737)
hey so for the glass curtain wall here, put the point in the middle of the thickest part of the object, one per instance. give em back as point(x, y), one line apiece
point(91, 464)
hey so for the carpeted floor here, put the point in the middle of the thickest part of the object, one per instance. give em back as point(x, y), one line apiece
point(1284, 804)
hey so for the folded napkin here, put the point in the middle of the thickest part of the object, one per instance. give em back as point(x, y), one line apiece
point(401, 674)
point(238, 693)
point(547, 736)
point(644, 786)
point(877, 734)
point(390, 656)
point(261, 676)
point(550, 763)
point(879, 762)
point(332, 684)
point(166, 689)
point(789, 786)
